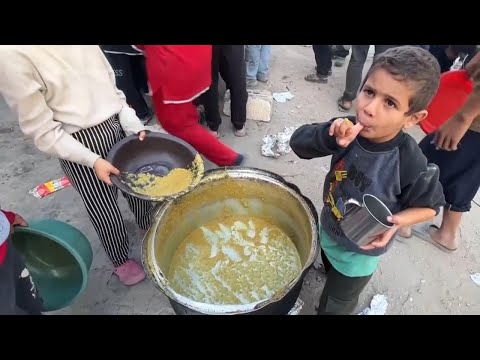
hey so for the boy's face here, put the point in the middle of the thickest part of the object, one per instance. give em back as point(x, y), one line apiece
point(382, 106)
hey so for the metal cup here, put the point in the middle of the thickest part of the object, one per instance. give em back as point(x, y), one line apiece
point(362, 222)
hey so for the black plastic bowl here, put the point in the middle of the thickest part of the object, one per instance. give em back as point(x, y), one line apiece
point(157, 154)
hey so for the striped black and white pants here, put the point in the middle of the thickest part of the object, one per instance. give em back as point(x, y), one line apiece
point(99, 198)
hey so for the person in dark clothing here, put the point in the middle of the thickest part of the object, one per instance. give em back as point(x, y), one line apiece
point(18, 294)
point(374, 157)
point(179, 75)
point(128, 64)
point(323, 60)
point(339, 54)
point(454, 148)
point(229, 62)
point(354, 73)
point(446, 54)
point(324, 55)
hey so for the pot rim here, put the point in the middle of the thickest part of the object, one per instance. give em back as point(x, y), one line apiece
point(160, 281)
point(380, 202)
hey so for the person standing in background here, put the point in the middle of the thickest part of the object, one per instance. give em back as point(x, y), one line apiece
point(128, 65)
point(354, 73)
point(178, 76)
point(454, 148)
point(323, 61)
point(257, 58)
point(446, 54)
point(229, 62)
point(339, 53)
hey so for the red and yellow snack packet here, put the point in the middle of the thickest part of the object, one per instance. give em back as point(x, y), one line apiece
point(50, 187)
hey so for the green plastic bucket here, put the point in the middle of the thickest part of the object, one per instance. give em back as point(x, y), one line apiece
point(58, 257)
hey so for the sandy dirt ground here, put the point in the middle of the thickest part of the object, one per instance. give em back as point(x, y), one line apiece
point(415, 277)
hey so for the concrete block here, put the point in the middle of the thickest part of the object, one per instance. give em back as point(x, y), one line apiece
point(259, 105)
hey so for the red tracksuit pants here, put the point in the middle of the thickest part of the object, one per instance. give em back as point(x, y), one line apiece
point(181, 120)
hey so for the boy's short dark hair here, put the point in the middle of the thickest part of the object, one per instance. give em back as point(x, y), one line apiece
point(415, 66)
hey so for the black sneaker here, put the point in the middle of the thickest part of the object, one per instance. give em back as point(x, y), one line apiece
point(240, 160)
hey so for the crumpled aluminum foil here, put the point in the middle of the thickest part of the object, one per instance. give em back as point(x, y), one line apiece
point(269, 142)
point(297, 307)
point(378, 306)
point(278, 144)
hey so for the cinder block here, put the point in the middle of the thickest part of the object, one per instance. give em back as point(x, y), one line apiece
point(259, 105)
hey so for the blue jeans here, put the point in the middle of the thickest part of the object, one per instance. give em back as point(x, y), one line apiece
point(257, 58)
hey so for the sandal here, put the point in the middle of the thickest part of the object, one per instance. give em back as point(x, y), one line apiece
point(316, 78)
point(421, 232)
point(341, 106)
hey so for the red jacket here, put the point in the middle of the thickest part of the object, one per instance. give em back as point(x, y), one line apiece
point(178, 73)
point(3, 247)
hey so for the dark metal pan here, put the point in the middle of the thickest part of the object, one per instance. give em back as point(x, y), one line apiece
point(157, 154)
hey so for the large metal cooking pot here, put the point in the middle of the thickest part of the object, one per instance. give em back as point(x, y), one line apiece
point(246, 191)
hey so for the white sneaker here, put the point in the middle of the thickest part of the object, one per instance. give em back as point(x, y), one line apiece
point(240, 132)
point(214, 133)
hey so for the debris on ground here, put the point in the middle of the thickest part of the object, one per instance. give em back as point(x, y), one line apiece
point(406, 300)
point(296, 308)
point(476, 278)
point(50, 187)
point(378, 306)
point(283, 96)
point(278, 144)
point(269, 142)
